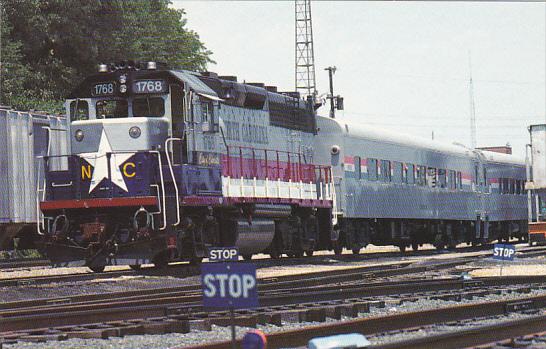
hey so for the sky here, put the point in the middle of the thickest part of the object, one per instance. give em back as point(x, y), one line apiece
point(402, 66)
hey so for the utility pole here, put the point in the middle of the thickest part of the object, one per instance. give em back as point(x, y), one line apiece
point(472, 107)
point(305, 56)
point(331, 72)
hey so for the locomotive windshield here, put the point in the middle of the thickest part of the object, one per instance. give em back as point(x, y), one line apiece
point(148, 107)
point(112, 108)
point(82, 112)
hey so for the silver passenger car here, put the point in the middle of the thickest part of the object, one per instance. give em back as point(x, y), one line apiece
point(404, 190)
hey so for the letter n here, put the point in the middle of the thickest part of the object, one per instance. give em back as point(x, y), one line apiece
point(86, 172)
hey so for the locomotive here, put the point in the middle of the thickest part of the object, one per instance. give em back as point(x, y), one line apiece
point(165, 164)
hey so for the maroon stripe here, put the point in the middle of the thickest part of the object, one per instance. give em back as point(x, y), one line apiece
point(236, 167)
point(93, 203)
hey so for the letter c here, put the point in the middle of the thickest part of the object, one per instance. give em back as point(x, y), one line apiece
point(127, 174)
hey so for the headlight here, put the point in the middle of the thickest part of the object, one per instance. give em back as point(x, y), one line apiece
point(123, 88)
point(135, 132)
point(78, 135)
point(122, 79)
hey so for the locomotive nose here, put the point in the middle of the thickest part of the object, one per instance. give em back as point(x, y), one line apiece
point(130, 134)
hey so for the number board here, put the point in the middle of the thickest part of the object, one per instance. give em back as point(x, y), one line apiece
point(149, 86)
point(504, 252)
point(229, 285)
point(103, 89)
point(222, 254)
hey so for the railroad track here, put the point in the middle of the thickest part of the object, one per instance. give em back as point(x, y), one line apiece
point(282, 299)
point(185, 270)
point(413, 320)
point(18, 263)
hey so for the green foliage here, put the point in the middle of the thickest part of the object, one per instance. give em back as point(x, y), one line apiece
point(48, 46)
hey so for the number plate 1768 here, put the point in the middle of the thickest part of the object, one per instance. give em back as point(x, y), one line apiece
point(149, 86)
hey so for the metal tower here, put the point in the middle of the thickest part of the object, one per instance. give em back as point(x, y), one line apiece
point(305, 57)
point(472, 107)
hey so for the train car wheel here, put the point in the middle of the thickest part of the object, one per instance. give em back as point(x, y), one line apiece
point(309, 253)
point(338, 250)
point(97, 268)
point(299, 254)
point(402, 248)
point(414, 246)
point(356, 250)
point(135, 267)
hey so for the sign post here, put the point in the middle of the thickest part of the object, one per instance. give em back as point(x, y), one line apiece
point(504, 252)
point(230, 285)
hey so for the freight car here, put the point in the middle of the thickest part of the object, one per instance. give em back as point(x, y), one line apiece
point(24, 136)
point(166, 163)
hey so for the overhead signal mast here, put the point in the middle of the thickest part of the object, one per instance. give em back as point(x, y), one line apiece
point(305, 57)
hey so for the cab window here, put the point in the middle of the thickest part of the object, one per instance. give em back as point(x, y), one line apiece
point(112, 108)
point(148, 107)
point(82, 112)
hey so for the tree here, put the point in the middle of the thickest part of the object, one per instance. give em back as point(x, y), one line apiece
point(48, 46)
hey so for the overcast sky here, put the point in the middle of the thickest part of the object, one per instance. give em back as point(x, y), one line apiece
point(401, 66)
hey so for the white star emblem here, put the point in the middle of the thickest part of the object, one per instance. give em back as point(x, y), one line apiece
point(100, 164)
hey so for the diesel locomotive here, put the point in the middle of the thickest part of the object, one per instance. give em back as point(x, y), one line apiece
point(165, 164)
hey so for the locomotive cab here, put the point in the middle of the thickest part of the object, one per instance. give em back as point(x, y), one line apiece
point(127, 139)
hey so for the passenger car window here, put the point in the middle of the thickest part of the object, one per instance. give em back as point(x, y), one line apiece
point(372, 169)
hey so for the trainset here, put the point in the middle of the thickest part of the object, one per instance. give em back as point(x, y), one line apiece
point(167, 163)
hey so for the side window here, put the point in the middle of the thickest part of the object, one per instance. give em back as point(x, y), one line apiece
point(357, 166)
point(398, 173)
point(421, 175)
point(452, 179)
point(372, 169)
point(363, 168)
point(459, 180)
point(206, 110)
point(386, 170)
point(518, 186)
point(410, 168)
point(505, 186)
point(431, 178)
point(442, 180)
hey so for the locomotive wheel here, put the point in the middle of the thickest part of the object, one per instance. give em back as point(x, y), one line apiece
point(402, 248)
point(299, 254)
point(97, 268)
point(356, 250)
point(135, 267)
point(414, 246)
point(274, 255)
point(247, 257)
point(338, 250)
point(309, 253)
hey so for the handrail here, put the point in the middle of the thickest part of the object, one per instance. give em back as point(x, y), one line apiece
point(167, 141)
point(164, 225)
point(40, 220)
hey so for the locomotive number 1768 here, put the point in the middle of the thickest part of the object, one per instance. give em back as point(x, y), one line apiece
point(103, 89)
point(149, 86)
